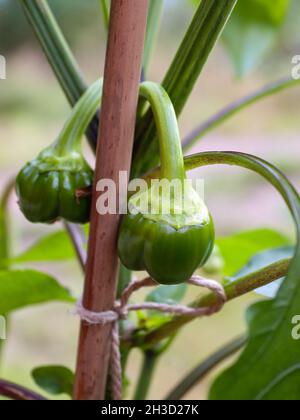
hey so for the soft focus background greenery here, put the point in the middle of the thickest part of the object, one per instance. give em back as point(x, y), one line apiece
point(32, 110)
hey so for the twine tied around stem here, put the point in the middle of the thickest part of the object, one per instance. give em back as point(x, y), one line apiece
point(122, 308)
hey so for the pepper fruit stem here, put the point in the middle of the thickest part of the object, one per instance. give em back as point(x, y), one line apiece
point(172, 164)
point(78, 122)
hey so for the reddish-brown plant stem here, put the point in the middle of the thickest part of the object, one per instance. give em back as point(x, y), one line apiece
point(114, 152)
point(17, 392)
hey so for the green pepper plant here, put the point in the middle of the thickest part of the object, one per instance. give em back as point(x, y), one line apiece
point(169, 246)
point(52, 185)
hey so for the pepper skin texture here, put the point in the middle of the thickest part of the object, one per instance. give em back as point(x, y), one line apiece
point(49, 188)
point(170, 247)
point(168, 231)
point(57, 184)
point(169, 255)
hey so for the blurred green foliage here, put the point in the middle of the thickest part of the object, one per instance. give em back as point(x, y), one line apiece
point(237, 249)
point(21, 288)
point(258, 28)
point(252, 32)
point(55, 380)
point(71, 14)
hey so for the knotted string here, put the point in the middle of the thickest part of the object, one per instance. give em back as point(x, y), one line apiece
point(122, 308)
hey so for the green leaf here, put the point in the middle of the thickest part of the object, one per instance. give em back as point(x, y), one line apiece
point(169, 295)
point(54, 247)
point(265, 361)
point(269, 367)
point(252, 32)
point(261, 260)
point(55, 380)
point(239, 248)
point(274, 11)
point(19, 289)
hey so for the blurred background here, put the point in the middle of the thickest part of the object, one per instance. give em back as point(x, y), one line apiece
point(32, 111)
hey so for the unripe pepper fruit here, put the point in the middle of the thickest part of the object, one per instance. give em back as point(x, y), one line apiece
point(169, 255)
point(170, 247)
point(49, 190)
point(53, 185)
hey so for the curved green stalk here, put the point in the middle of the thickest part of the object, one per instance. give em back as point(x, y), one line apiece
point(235, 107)
point(171, 156)
point(76, 125)
point(146, 375)
point(247, 283)
point(198, 373)
point(206, 27)
point(234, 290)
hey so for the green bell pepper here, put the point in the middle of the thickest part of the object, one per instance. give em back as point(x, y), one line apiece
point(55, 184)
point(169, 245)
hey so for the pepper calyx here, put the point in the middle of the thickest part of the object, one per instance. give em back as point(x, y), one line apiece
point(178, 208)
point(49, 160)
